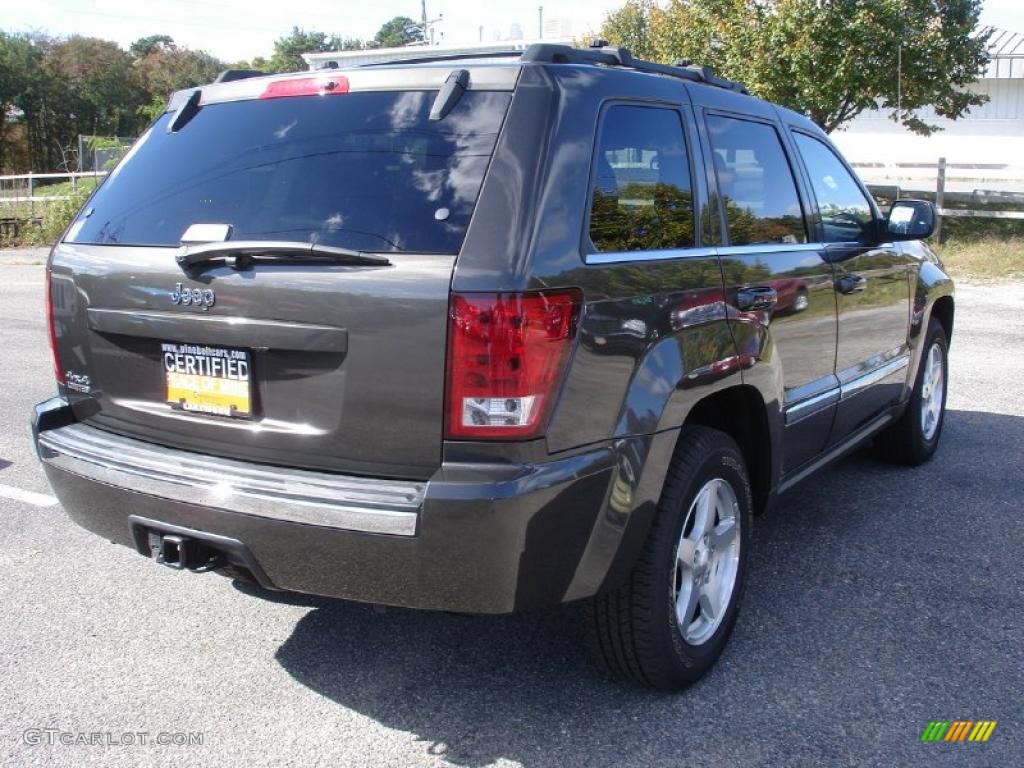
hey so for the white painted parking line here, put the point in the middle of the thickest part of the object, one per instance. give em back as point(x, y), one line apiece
point(29, 497)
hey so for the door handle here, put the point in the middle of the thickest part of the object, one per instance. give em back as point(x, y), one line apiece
point(756, 297)
point(848, 284)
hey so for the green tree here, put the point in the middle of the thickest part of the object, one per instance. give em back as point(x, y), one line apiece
point(144, 46)
point(258, 62)
point(18, 59)
point(397, 32)
point(352, 44)
point(93, 88)
point(830, 59)
point(630, 27)
point(288, 50)
point(58, 89)
point(642, 216)
point(162, 68)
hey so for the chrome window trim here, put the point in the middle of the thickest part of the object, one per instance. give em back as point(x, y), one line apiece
point(323, 499)
point(753, 250)
point(617, 257)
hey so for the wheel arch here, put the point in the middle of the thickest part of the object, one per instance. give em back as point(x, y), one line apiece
point(740, 412)
point(943, 310)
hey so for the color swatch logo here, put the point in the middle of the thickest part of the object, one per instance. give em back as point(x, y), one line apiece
point(959, 730)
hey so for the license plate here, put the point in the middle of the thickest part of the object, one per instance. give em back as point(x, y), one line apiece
point(205, 379)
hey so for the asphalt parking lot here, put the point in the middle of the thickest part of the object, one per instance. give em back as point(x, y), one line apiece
point(880, 599)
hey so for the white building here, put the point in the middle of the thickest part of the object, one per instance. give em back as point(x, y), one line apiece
point(557, 28)
point(985, 148)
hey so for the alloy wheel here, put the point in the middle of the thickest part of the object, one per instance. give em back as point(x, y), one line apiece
point(933, 388)
point(707, 561)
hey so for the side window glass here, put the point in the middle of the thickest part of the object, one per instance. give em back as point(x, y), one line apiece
point(641, 198)
point(755, 183)
point(845, 212)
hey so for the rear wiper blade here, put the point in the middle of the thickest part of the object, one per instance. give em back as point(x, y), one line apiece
point(243, 251)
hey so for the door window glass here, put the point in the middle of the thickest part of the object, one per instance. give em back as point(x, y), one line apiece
point(755, 183)
point(641, 198)
point(846, 214)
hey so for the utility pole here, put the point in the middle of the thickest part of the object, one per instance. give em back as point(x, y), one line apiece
point(540, 22)
point(899, 83)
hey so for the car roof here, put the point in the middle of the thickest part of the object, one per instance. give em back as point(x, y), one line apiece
point(499, 70)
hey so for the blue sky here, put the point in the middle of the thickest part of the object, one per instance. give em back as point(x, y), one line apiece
point(241, 29)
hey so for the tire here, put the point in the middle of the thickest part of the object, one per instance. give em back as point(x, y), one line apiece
point(633, 631)
point(912, 439)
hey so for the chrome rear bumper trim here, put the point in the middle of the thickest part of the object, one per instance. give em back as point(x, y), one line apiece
point(293, 495)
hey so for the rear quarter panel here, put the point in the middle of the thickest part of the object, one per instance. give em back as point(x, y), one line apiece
point(654, 337)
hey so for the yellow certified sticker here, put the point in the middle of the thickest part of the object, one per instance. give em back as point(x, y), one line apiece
point(207, 379)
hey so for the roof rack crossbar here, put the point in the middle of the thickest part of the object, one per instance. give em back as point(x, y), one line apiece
point(621, 57)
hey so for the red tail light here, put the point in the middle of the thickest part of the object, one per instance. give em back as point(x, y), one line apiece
point(58, 369)
point(506, 356)
point(305, 86)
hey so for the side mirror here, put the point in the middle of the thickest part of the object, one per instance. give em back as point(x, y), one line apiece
point(910, 220)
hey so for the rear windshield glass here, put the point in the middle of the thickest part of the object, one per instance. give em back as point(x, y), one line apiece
point(368, 171)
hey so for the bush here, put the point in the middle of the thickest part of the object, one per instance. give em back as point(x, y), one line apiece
point(53, 218)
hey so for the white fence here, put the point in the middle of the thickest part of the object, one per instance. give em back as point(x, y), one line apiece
point(979, 183)
point(978, 179)
point(24, 187)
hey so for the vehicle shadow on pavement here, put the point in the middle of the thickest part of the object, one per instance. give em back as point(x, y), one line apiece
point(835, 626)
point(475, 688)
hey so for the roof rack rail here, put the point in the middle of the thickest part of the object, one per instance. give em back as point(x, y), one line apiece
point(441, 57)
point(621, 57)
point(230, 75)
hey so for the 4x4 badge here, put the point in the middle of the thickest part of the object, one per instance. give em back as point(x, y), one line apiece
point(195, 297)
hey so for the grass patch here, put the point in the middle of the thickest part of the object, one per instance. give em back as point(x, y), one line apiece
point(85, 184)
point(43, 223)
point(984, 258)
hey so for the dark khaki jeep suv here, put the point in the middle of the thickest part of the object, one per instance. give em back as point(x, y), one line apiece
point(483, 335)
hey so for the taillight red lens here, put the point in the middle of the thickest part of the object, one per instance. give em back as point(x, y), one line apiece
point(58, 369)
point(305, 86)
point(506, 356)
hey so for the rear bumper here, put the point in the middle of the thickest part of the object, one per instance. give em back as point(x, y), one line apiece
point(489, 538)
point(314, 498)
